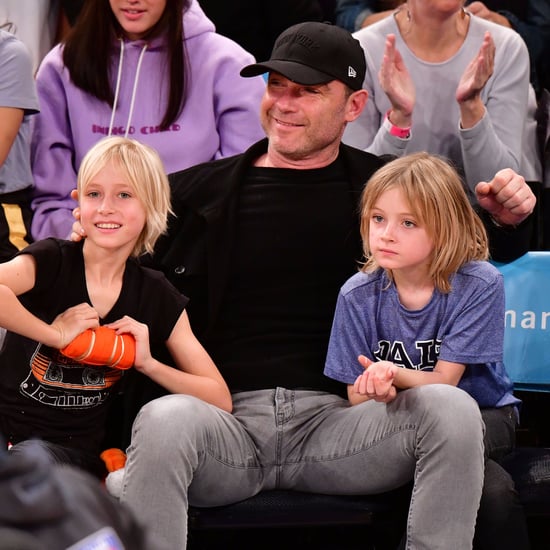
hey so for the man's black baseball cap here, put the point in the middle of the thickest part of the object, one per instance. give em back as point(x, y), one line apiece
point(315, 53)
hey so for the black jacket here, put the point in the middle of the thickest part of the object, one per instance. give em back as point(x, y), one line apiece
point(196, 254)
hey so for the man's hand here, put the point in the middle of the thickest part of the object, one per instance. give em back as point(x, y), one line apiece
point(507, 197)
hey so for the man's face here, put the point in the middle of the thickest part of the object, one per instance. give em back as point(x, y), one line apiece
point(302, 121)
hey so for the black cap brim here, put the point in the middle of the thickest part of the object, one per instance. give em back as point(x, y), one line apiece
point(290, 69)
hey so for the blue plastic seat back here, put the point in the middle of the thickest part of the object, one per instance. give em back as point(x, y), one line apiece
point(527, 333)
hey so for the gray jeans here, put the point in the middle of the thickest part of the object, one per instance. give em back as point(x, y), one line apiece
point(186, 451)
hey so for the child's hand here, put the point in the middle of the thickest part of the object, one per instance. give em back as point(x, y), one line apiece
point(377, 380)
point(72, 322)
point(140, 332)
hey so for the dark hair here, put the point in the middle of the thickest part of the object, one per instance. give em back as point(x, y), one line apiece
point(91, 43)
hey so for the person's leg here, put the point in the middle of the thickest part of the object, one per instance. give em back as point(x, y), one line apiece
point(500, 431)
point(501, 522)
point(433, 434)
point(183, 451)
point(60, 454)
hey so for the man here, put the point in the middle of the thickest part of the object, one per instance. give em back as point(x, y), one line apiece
point(261, 243)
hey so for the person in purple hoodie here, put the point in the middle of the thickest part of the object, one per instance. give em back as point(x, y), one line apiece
point(152, 70)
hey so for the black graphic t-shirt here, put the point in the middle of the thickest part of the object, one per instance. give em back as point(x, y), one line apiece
point(47, 395)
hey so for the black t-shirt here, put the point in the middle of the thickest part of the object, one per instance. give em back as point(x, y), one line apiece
point(297, 243)
point(43, 393)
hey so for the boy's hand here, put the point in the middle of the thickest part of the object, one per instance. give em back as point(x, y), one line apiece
point(73, 321)
point(140, 331)
point(377, 380)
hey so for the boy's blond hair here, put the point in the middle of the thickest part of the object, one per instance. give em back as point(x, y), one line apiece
point(437, 198)
point(143, 167)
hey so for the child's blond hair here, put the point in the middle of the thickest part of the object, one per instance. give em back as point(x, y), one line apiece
point(437, 198)
point(143, 167)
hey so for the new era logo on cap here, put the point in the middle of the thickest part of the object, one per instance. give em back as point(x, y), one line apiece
point(315, 53)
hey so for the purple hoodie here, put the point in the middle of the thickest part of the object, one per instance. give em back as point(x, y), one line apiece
point(220, 117)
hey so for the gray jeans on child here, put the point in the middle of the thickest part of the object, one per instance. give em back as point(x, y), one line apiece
point(186, 451)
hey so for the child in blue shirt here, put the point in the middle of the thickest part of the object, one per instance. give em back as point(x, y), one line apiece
point(428, 308)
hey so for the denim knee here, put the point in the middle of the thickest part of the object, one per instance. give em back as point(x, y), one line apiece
point(166, 419)
point(445, 408)
point(169, 406)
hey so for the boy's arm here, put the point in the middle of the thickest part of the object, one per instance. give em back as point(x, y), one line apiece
point(381, 380)
point(17, 277)
point(196, 374)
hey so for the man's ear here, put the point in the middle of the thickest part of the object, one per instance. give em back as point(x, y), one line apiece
point(356, 103)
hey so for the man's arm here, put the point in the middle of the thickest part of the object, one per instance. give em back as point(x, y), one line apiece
point(507, 205)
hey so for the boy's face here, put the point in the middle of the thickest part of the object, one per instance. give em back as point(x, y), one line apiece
point(397, 238)
point(110, 212)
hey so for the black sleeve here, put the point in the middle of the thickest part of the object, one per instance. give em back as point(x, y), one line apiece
point(508, 243)
point(48, 258)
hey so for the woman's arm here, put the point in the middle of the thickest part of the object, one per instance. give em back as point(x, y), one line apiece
point(52, 154)
point(10, 121)
point(236, 101)
point(534, 29)
point(17, 93)
point(496, 141)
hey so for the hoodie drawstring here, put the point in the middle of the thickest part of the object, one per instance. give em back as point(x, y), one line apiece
point(117, 88)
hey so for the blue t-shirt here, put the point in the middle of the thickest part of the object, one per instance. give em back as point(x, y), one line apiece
point(464, 326)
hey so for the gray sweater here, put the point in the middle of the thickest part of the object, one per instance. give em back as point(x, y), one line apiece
point(504, 138)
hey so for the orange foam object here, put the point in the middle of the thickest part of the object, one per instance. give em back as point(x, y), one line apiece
point(114, 459)
point(102, 346)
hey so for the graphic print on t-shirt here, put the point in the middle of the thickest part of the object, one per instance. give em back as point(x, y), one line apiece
point(57, 381)
point(396, 352)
